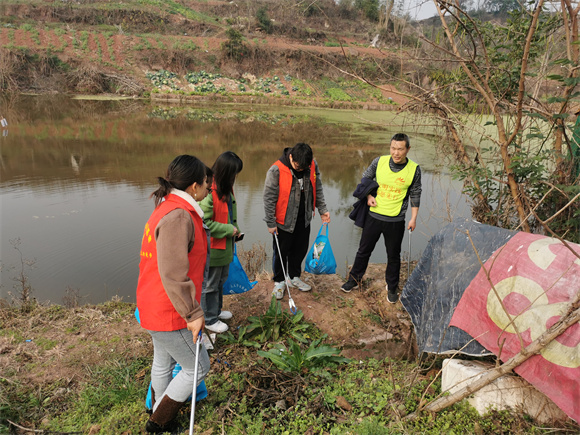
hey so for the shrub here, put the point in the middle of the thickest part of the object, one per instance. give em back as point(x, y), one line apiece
point(264, 21)
point(234, 47)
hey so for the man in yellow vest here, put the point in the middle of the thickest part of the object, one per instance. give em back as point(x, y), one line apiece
point(292, 191)
point(399, 184)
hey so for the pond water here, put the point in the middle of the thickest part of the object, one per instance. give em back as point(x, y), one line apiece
point(77, 175)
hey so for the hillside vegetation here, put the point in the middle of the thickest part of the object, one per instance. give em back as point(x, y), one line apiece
point(285, 50)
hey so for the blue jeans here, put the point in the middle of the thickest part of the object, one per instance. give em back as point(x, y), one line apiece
point(212, 294)
point(170, 347)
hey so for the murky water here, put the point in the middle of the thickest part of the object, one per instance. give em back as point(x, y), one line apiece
point(77, 174)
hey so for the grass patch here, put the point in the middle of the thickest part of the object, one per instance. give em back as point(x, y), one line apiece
point(113, 399)
point(247, 394)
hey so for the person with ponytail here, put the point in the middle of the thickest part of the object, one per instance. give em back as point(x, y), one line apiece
point(173, 255)
point(220, 215)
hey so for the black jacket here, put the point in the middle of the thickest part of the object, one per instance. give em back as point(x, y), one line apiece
point(360, 208)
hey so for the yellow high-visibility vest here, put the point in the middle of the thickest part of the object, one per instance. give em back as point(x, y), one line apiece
point(393, 186)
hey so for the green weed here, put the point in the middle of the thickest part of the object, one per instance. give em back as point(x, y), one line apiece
point(293, 359)
point(271, 326)
point(113, 399)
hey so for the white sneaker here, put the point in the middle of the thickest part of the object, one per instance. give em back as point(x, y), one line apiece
point(301, 285)
point(279, 290)
point(225, 315)
point(218, 327)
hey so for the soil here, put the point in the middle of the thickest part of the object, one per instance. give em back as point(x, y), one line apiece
point(362, 322)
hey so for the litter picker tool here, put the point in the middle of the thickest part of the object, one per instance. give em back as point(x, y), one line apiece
point(291, 303)
point(194, 394)
point(409, 260)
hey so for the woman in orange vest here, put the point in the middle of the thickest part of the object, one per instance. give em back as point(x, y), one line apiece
point(221, 217)
point(174, 251)
point(292, 191)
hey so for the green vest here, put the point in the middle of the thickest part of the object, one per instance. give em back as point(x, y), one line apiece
point(393, 186)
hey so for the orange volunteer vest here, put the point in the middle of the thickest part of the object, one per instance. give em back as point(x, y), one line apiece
point(155, 308)
point(220, 214)
point(285, 186)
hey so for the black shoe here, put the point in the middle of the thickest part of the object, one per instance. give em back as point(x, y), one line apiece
point(152, 427)
point(392, 296)
point(349, 285)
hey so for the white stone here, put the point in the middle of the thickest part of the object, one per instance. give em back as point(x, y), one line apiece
point(509, 391)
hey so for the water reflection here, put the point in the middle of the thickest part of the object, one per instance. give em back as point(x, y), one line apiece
point(76, 176)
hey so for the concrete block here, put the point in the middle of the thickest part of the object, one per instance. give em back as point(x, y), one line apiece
point(509, 391)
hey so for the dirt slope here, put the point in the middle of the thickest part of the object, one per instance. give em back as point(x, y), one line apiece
point(362, 322)
point(99, 49)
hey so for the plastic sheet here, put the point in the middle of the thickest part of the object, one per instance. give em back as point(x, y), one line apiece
point(435, 287)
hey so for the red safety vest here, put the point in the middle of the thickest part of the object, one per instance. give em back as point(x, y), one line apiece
point(156, 311)
point(220, 214)
point(285, 186)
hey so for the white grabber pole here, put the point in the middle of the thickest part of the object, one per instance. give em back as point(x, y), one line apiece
point(194, 393)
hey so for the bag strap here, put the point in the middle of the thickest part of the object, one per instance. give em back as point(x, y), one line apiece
point(327, 229)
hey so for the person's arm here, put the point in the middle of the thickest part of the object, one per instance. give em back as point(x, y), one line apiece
point(271, 190)
point(371, 173)
point(173, 235)
point(320, 202)
point(415, 198)
point(218, 230)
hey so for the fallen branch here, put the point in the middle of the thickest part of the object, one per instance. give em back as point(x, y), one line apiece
point(569, 319)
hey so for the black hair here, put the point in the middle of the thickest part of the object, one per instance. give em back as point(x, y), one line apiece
point(401, 137)
point(225, 169)
point(181, 173)
point(302, 155)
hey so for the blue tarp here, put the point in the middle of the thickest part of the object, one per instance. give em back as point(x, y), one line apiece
point(447, 266)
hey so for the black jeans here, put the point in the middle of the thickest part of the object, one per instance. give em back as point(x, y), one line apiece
point(393, 233)
point(294, 247)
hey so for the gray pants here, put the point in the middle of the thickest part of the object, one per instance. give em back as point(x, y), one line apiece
point(212, 296)
point(170, 347)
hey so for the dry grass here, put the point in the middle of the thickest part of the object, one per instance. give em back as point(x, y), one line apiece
point(253, 260)
point(11, 63)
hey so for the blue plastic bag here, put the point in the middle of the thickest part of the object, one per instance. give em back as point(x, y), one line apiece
point(320, 259)
point(238, 281)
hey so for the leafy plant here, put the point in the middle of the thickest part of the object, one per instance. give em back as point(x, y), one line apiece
point(84, 40)
point(272, 325)
point(292, 358)
point(338, 94)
